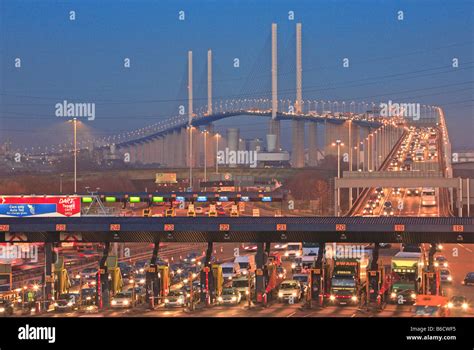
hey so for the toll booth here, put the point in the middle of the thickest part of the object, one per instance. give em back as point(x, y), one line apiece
point(164, 274)
point(431, 283)
point(271, 279)
point(153, 285)
point(317, 284)
point(115, 276)
point(5, 278)
point(218, 281)
point(61, 278)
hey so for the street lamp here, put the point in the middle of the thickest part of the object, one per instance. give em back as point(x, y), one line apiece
point(217, 153)
point(205, 132)
point(338, 143)
point(74, 121)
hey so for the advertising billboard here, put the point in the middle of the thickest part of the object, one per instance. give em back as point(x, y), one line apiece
point(40, 206)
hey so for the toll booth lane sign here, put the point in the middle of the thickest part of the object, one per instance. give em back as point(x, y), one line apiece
point(40, 206)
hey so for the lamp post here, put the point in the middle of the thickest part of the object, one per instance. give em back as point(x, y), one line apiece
point(338, 143)
point(74, 121)
point(217, 153)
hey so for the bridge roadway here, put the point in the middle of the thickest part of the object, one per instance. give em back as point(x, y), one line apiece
point(242, 229)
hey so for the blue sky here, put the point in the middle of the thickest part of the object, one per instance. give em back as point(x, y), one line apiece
point(82, 60)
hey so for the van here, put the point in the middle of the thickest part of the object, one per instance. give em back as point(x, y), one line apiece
point(294, 250)
point(230, 270)
point(246, 263)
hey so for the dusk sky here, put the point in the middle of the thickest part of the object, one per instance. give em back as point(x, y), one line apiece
point(82, 60)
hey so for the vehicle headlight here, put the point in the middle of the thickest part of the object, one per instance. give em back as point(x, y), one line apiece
point(293, 265)
point(114, 302)
point(181, 300)
point(69, 304)
point(445, 264)
point(88, 298)
point(354, 298)
point(450, 305)
point(464, 306)
point(56, 304)
point(167, 301)
point(142, 270)
point(393, 295)
point(78, 277)
point(287, 254)
point(235, 299)
point(142, 281)
point(244, 272)
point(293, 294)
point(93, 283)
point(131, 281)
point(280, 275)
point(246, 292)
point(450, 278)
point(219, 299)
point(436, 264)
point(280, 294)
point(185, 281)
point(413, 295)
point(230, 277)
point(298, 254)
point(2, 309)
point(332, 298)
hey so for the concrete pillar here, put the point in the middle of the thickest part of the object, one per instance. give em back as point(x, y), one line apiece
point(312, 144)
point(274, 127)
point(233, 141)
point(211, 145)
point(297, 142)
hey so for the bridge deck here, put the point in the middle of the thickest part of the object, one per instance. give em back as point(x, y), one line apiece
point(242, 229)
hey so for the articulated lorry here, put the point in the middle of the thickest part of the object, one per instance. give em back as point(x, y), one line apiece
point(407, 273)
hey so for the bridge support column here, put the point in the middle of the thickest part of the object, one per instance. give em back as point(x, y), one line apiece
point(210, 146)
point(102, 281)
point(259, 277)
point(312, 144)
point(49, 259)
point(297, 154)
point(274, 129)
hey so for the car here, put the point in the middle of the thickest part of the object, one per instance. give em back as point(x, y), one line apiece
point(175, 298)
point(388, 209)
point(6, 308)
point(122, 300)
point(413, 191)
point(220, 211)
point(372, 203)
point(368, 210)
point(458, 302)
point(139, 294)
point(281, 272)
point(87, 296)
point(280, 246)
point(441, 261)
point(191, 257)
point(303, 278)
point(229, 296)
point(141, 266)
point(64, 305)
point(290, 290)
point(199, 211)
point(252, 247)
point(396, 191)
point(445, 276)
point(469, 279)
point(88, 273)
